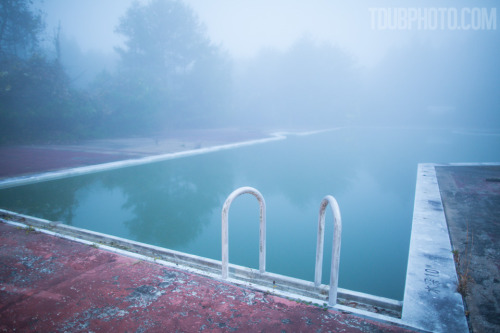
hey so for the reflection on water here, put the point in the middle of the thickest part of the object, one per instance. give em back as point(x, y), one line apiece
point(177, 203)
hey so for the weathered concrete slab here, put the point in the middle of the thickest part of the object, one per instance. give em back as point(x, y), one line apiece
point(53, 284)
point(471, 199)
point(431, 300)
point(25, 160)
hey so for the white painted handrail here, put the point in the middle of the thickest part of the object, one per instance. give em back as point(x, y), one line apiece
point(337, 226)
point(225, 244)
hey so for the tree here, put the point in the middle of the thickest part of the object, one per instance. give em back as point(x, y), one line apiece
point(170, 74)
point(163, 35)
point(37, 102)
point(20, 28)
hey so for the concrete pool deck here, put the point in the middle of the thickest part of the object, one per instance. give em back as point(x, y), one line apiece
point(471, 200)
point(53, 284)
point(18, 161)
point(455, 250)
point(431, 302)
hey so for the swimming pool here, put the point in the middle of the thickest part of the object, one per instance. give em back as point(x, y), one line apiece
point(177, 203)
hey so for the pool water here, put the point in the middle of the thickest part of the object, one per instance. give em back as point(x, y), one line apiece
point(177, 203)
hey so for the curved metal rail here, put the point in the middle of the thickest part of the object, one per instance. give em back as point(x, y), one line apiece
point(337, 226)
point(225, 244)
point(334, 273)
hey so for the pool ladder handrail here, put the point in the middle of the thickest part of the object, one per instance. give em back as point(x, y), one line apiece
point(334, 273)
point(337, 233)
point(225, 244)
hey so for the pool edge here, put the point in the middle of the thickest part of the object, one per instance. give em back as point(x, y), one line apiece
point(365, 305)
point(65, 173)
point(431, 300)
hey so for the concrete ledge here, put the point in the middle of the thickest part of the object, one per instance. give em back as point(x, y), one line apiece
point(30, 179)
point(365, 305)
point(431, 301)
point(52, 284)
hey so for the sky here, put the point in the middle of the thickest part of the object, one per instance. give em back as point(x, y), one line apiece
point(242, 28)
point(394, 53)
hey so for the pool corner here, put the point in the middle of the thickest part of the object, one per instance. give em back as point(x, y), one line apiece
point(431, 300)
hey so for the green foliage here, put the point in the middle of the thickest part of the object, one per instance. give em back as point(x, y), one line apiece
point(169, 76)
point(19, 28)
point(163, 35)
point(29, 229)
point(36, 100)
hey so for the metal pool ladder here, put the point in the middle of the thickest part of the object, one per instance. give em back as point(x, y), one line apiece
point(334, 275)
point(262, 230)
point(337, 232)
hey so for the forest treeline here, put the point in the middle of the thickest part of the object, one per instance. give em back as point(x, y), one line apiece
point(169, 74)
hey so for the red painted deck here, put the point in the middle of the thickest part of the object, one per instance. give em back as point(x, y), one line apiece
point(53, 284)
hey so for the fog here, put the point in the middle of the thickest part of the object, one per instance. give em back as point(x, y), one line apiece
point(146, 67)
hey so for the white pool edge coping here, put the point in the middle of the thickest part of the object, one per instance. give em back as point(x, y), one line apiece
point(65, 173)
point(431, 300)
point(242, 276)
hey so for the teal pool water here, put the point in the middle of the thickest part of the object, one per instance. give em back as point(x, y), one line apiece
point(177, 203)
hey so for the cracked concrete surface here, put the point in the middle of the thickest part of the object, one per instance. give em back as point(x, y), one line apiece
point(471, 199)
point(53, 284)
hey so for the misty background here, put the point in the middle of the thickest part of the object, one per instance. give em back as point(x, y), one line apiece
point(73, 70)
